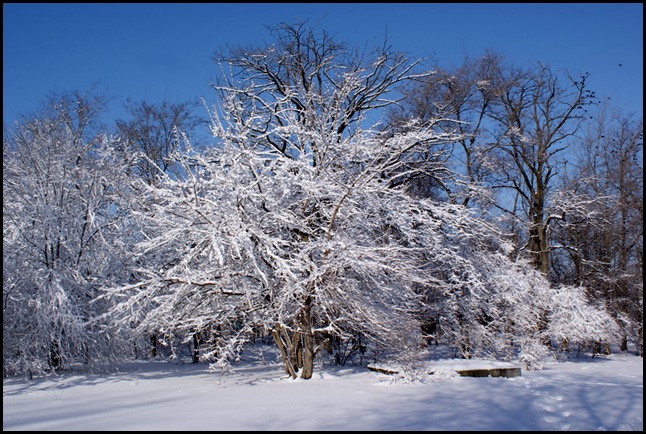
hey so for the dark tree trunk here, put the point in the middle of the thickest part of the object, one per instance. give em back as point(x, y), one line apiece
point(278, 332)
point(308, 343)
point(153, 342)
point(196, 348)
point(55, 357)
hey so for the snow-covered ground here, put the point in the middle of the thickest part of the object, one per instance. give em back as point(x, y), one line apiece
point(582, 394)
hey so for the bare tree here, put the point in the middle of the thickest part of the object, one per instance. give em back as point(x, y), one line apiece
point(463, 95)
point(151, 131)
point(538, 112)
point(515, 126)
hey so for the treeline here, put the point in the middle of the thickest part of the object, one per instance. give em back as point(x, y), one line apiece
point(494, 209)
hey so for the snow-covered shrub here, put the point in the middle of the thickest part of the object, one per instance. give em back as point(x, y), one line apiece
point(488, 305)
point(574, 320)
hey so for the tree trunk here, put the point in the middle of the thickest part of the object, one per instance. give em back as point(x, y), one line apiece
point(196, 348)
point(538, 238)
point(297, 350)
point(287, 364)
point(55, 357)
point(641, 341)
point(308, 343)
point(153, 342)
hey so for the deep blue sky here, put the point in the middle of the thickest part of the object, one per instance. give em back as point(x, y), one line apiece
point(157, 51)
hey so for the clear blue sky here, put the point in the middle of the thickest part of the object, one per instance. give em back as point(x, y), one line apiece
point(157, 51)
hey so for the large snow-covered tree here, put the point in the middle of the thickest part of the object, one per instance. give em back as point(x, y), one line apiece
point(296, 222)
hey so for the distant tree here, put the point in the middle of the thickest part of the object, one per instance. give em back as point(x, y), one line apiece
point(538, 111)
point(151, 131)
point(604, 236)
point(463, 95)
point(515, 126)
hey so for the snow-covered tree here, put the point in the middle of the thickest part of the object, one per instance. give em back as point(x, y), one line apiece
point(62, 210)
point(295, 223)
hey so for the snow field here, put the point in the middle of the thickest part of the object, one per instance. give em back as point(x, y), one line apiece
point(587, 394)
